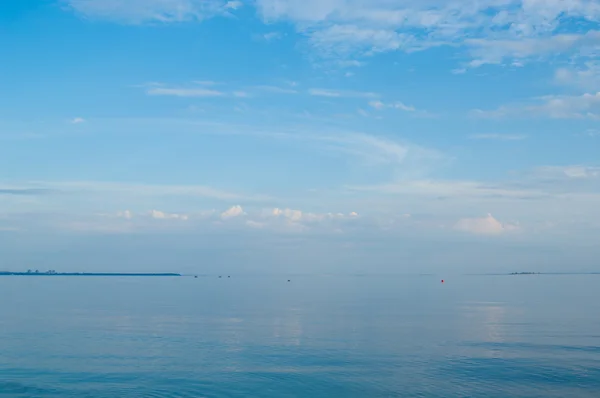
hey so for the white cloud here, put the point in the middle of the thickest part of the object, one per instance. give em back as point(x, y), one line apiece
point(234, 5)
point(126, 214)
point(160, 215)
point(275, 89)
point(126, 222)
point(403, 107)
point(275, 219)
point(371, 150)
point(348, 40)
point(493, 31)
point(586, 106)
point(184, 92)
point(359, 149)
point(412, 192)
point(400, 106)
point(377, 105)
point(586, 77)
point(487, 51)
point(380, 150)
point(144, 11)
point(498, 137)
point(272, 36)
point(394, 105)
point(291, 220)
point(192, 90)
point(350, 63)
point(568, 107)
point(582, 172)
point(575, 171)
point(484, 226)
point(293, 215)
point(320, 92)
point(77, 120)
point(565, 197)
point(233, 212)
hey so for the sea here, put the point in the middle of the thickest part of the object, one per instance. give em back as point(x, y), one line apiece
point(312, 336)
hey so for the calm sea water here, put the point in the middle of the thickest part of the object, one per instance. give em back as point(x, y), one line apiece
point(317, 336)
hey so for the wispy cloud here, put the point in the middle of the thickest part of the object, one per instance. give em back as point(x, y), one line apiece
point(568, 172)
point(372, 149)
point(492, 31)
point(585, 78)
point(498, 137)
point(25, 191)
point(320, 92)
point(405, 176)
point(161, 215)
point(400, 106)
point(452, 189)
point(205, 88)
point(489, 51)
point(394, 105)
point(201, 83)
point(531, 197)
point(77, 120)
point(112, 188)
point(233, 4)
point(184, 92)
point(275, 89)
point(484, 226)
point(148, 11)
point(348, 40)
point(232, 212)
point(586, 106)
point(272, 36)
point(367, 148)
point(350, 63)
point(126, 214)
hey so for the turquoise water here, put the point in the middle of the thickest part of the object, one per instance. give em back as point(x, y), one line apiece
point(317, 336)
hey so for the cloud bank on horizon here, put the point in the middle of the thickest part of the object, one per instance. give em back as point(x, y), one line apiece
point(313, 119)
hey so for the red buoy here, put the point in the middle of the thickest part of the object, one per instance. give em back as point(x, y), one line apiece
point(442, 281)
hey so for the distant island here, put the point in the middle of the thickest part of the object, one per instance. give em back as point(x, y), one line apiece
point(526, 273)
point(54, 273)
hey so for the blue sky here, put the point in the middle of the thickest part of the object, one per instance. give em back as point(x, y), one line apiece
point(303, 135)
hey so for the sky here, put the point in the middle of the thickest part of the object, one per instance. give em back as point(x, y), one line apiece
point(313, 136)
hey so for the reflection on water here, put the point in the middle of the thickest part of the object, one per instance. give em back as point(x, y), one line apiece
point(288, 329)
point(486, 322)
point(493, 322)
point(319, 337)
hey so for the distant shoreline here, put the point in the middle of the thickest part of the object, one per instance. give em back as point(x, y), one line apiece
point(525, 273)
point(86, 274)
point(537, 273)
